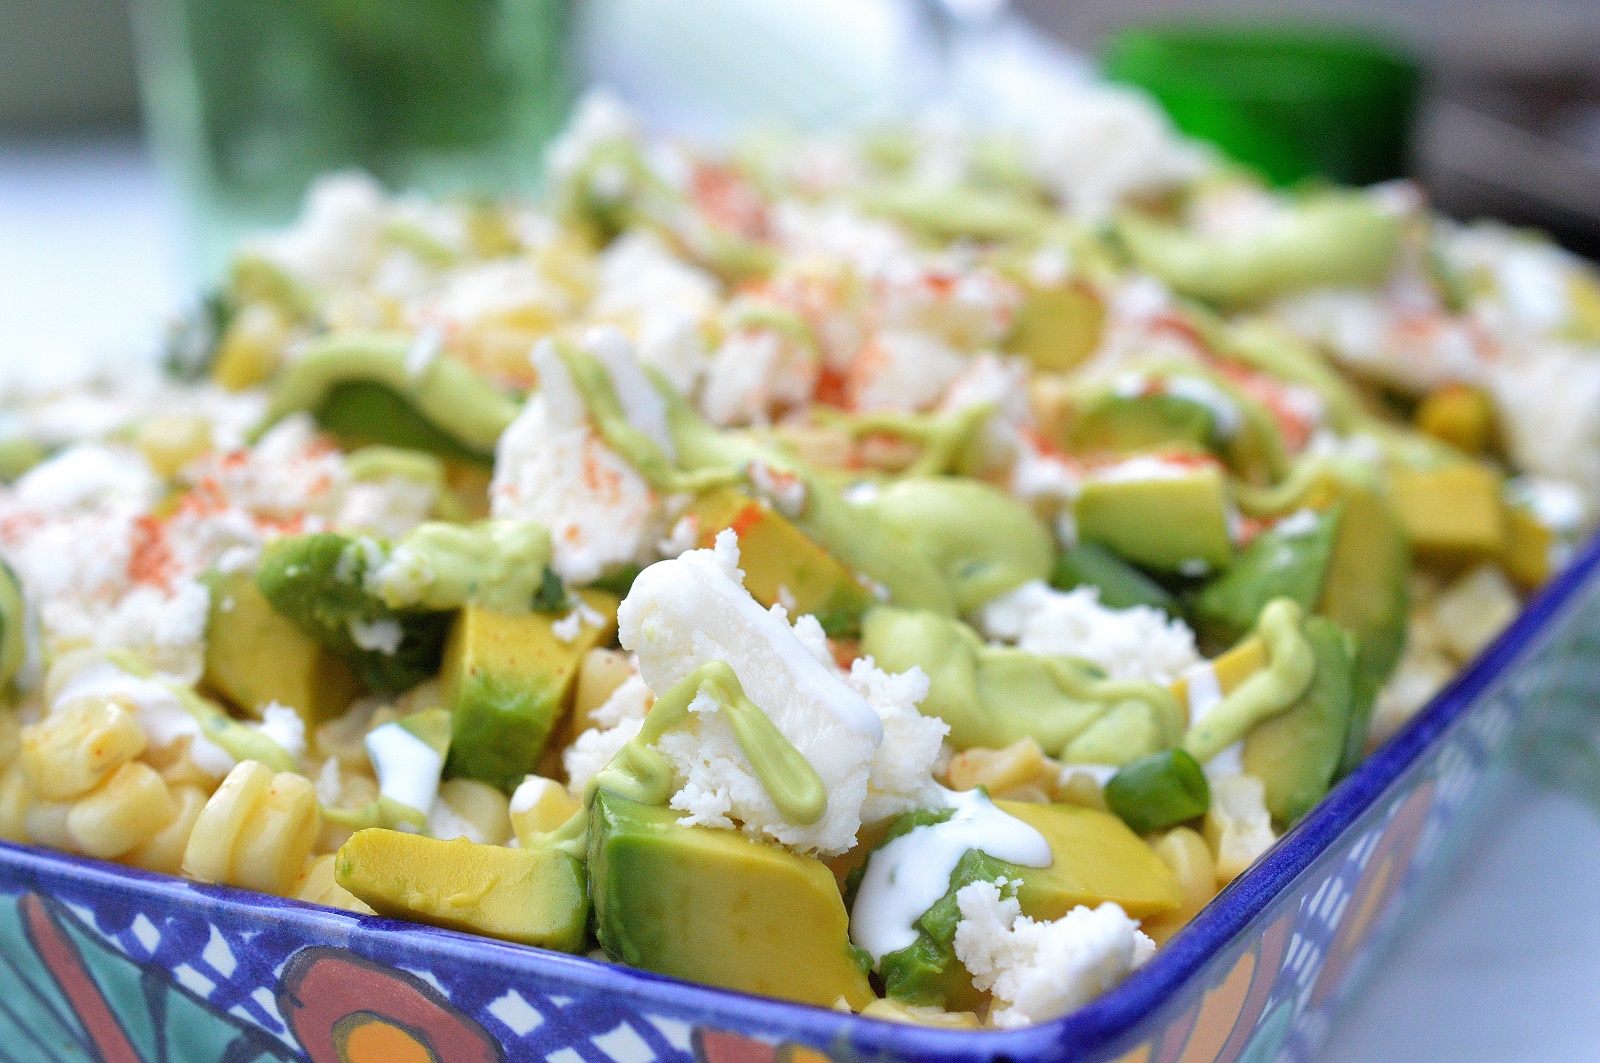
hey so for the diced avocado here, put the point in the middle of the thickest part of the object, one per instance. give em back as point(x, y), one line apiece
point(1452, 515)
point(1288, 560)
point(1296, 753)
point(781, 565)
point(530, 896)
point(714, 906)
point(1095, 858)
point(1460, 415)
point(1121, 585)
point(507, 680)
point(1529, 545)
point(1058, 326)
point(255, 656)
point(317, 582)
point(1172, 523)
point(13, 617)
point(366, 388)
point(1128, 424)
point(1366, 594)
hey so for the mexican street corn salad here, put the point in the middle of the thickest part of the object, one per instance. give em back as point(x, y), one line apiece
point(909, 572)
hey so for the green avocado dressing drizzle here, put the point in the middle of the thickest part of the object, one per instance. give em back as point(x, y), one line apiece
point(640, 773)
point(947, 440)
point(593, 382)
point(1291, 665)
point(496, 564)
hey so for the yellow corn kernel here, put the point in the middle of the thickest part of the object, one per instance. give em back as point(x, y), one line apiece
point(1075, 786)
point(14, 798)
point(74, 749)
point(175, 761)
point(45, 823)
point(1473, 610)
point(915, 1015)
point(170, 442)
point(208, 856)
point(1238, 825)
point(1020, 764)
point(163, 850)
point(483, 811)
point(125, 811)
point(277, 836)
point(1186, 853)
point(252, 347)
point(539, 806)
point(600, 673)
point(316, 885)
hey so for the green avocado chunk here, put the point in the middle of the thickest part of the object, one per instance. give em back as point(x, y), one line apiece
point(1121, 585)
point(992, 696)
point(716, 907)
point(13, 617)
point(318, 582)
point(529, 896)
point(365, 387)
point(1288, 560)
point(1330, 239)
point(507, 679)
point(1176, 521)
point(1297, 752)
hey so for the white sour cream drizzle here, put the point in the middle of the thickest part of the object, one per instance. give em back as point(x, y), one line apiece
point(160, 714)
point(408, 768)
point(906, 877)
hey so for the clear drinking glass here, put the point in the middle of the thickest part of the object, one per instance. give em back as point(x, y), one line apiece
point(248, 100)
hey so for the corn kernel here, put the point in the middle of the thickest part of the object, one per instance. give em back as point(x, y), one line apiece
point(916, 1015)
point(316, 885)
point(252, 347)
point(74, 749)
point(1186, 853)
point(1020, 764)
point(539, 806)
point(483, 811)
point(127, 810)
point(277, 835)
point(1473, 610)
point(45, 823)
point(600, 673)
point(171, 442)
point(163, 851)
point(209, 853)
point(1238, 826)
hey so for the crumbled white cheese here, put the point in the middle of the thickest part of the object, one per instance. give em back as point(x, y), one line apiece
point(553, 467)
point(902, 768)
point(383, 635)
point(902, 370)
point(1040, 970)
point(1135, 643)
point(284, 726)
point(755, 374)
point(335, 236)
point(619, 718)
point(569, 627)
point(687, 612)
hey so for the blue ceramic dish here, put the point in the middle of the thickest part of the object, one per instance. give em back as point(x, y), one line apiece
point(104, 964)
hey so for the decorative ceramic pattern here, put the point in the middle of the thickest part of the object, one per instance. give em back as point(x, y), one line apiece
point(100, 964)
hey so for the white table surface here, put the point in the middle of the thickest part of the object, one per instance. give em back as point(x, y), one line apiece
point(1506, 971)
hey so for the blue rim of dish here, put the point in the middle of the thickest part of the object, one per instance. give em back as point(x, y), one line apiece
point(1093, 1028)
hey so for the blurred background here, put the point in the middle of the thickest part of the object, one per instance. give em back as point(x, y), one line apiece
point(109, 220)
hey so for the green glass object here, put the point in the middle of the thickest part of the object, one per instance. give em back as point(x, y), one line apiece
point(1294, 101)
point(1159, 791)
point(248, 100)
